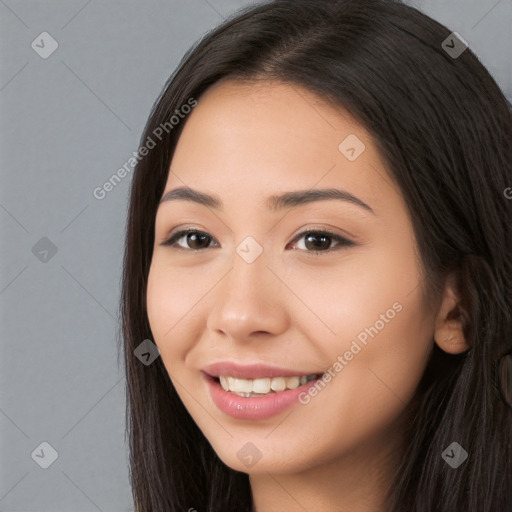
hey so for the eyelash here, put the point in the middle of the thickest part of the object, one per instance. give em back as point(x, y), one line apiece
point(342, 241)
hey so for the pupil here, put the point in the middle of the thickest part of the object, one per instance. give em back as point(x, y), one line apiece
point(323, 245)
point(192, 239)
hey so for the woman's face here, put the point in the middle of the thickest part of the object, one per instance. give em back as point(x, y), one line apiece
point(250, 291)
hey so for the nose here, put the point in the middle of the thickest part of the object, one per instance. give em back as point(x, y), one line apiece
point(249, 300)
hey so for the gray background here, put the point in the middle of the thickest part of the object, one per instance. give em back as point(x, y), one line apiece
point(68, 123)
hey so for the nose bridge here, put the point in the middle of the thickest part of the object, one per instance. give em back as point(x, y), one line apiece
point(248, 270)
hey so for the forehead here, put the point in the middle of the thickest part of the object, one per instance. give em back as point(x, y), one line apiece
point(253, 139)
point(231, 108)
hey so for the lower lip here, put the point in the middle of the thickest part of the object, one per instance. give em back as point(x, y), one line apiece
point(254, 408)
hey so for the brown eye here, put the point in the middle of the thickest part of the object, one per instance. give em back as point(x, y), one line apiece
point(317, 242)
point(320, 241)
point(194, 240)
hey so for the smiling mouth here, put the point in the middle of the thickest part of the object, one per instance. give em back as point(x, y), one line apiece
point(263, 386)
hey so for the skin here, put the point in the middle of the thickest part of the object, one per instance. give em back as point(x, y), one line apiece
point(293, 307)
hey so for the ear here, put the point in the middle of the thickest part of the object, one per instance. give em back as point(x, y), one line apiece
point(449, 332)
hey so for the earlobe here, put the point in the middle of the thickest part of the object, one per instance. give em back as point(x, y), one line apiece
point(449, 323)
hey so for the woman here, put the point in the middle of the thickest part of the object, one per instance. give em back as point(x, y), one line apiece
point(318, 244)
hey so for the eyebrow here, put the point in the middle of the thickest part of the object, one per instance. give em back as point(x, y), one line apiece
point(273, 203)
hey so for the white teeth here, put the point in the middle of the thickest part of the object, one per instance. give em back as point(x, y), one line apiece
point(240, 385)
point(292, 382)
point(278, 384)
point(262, 386)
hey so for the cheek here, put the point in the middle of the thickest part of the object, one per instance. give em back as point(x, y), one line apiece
point(171, 296)
point(341, 299)
point(370, 313)
point(375, 363)
point(376, 384)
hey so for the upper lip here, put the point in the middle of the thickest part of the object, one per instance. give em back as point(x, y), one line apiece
point(250, 371)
